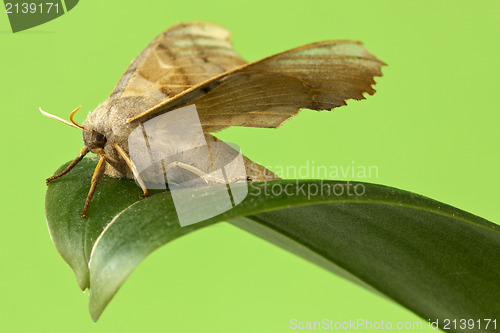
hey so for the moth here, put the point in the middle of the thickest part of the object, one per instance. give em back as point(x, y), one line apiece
point(195, 63)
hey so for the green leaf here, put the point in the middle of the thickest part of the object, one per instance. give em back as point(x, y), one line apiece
point(434, 259)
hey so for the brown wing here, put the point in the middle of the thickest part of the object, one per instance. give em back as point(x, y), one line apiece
point(319, 76)
point(181, 57)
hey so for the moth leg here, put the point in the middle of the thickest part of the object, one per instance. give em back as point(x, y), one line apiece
point(206, 177)
point(70, 166)
point(96, 178)
point(132, 167)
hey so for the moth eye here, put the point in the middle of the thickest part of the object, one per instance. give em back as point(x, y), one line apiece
point(98, 139)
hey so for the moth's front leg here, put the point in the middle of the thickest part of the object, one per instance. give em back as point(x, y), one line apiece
point(132, 167)
point(84, 152)
point(96, 178)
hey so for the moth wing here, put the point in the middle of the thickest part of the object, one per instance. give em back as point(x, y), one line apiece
point(222, 154)
point(265, 93)
point(216, 156)
point(181, 57)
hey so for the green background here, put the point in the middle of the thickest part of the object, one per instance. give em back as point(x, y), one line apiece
point(432, 128)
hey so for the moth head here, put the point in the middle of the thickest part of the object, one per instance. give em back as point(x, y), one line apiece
point(94, 140)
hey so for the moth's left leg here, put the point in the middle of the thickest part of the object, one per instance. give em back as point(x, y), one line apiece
point(132, 167)
point(96, 178)
point(84, 152)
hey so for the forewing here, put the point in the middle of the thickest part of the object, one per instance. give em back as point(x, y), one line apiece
point(319, 76)
point(178, 59)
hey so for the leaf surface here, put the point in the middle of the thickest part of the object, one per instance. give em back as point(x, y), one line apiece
point(434, 259)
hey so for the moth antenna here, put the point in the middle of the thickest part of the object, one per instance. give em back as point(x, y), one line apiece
point(71, 118)
point(60, 119)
